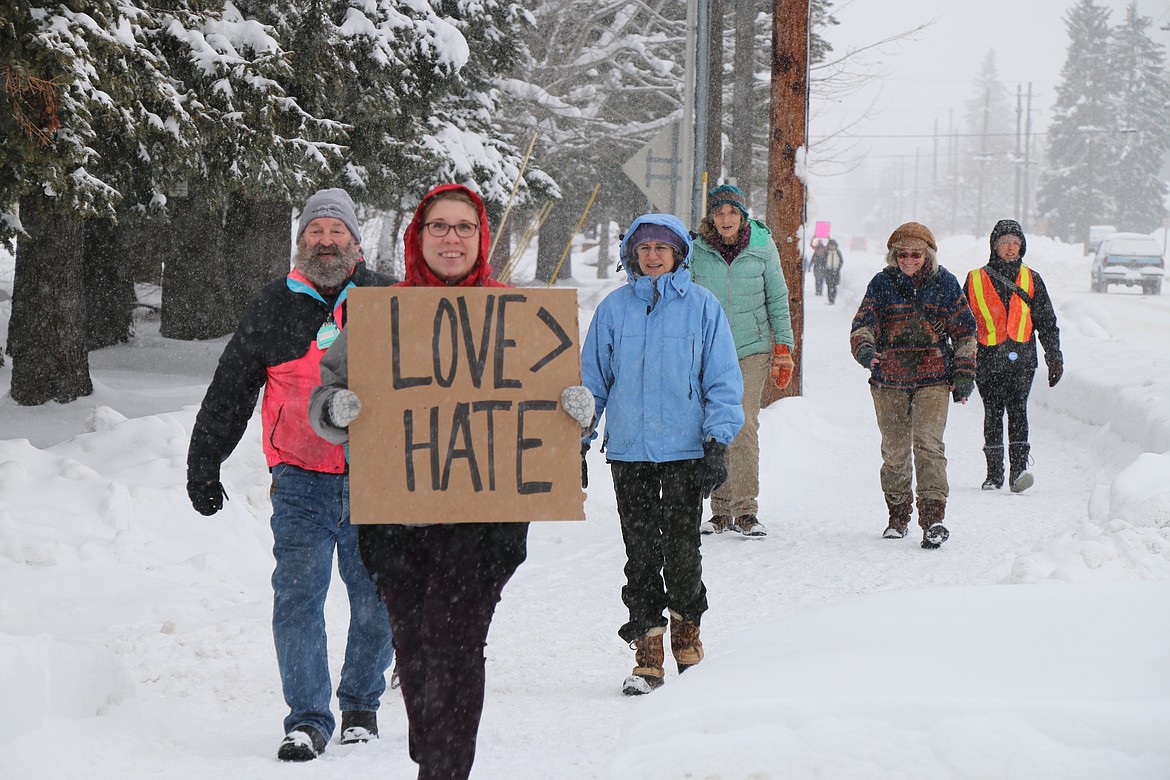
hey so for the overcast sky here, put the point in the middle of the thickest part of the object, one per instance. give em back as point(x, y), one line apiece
point(929, 75)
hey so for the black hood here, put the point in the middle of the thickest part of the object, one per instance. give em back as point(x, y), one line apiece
point(1008, 227)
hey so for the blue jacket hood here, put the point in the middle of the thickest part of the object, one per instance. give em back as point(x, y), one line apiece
point(630, 263)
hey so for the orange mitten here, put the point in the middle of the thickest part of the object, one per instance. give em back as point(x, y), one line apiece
point(782, 365)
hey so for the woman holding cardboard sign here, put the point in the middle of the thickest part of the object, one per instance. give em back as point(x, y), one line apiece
point(440, 582)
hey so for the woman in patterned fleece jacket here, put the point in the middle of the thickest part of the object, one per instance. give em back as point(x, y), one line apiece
point(898, 335)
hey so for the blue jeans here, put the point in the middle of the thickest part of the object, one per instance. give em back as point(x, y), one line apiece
point(310, 518)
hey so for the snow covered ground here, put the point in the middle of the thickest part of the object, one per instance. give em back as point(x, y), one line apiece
point(135, 634)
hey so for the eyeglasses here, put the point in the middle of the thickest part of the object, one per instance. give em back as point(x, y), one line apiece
point(645, 250)
point(911, 255)
point(462, 229)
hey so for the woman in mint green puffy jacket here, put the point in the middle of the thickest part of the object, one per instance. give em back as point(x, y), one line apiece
point(736, 259)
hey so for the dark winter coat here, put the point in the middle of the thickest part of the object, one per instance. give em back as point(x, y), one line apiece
point(996, 359)
point(887, 322)
point(274, 348)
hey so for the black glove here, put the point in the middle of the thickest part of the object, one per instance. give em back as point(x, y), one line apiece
point(864, 356)
point(584, 467)
point(714, 466)
point(206, 495)
point(1055, 372)
point(963, 387)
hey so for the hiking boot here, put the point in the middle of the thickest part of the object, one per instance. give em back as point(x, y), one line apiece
point(358, 726)
point(930, 516)
point(751, 527)
point(648, 673)
point(899, 520)
point(717, 525)
point(994, 457)
point(685, 645)
point(304, 743)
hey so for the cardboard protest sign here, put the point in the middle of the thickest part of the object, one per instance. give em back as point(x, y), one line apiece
point(461, 419)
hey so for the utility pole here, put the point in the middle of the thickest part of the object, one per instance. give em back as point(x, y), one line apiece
point(787, 137)
point(743, 69)
point(702, 107)
point(1027, 206)
point(714, 162)
point(1019, 116)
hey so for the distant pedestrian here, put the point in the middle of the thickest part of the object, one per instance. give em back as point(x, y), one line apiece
point(910, 312)
point(816, 263)
point(735, 258)
point(833, 262)
point(660, 361)
point(1011, 307)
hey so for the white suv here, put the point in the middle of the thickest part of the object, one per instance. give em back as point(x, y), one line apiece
point(1129, 259)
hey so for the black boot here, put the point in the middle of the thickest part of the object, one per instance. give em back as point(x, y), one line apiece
point(1020, 479)
point(994, 479)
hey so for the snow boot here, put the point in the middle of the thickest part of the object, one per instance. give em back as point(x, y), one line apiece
point(930, 516)
point(718, 524)
point(358, 726)
point(899, 520)
point(994, 479)
point(685, 645)
point(751, 527)
point(648, 673)
point(304, 743)
point(1020, 478)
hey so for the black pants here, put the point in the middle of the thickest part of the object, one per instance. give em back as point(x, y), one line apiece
point(1005, 391)
point(832, 279)
point(441, 595)
point(660, 506)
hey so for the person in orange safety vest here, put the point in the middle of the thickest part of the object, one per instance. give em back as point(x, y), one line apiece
point(1011, 308)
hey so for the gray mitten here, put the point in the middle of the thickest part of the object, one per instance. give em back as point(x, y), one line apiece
point(343, 408)
point(577, 400)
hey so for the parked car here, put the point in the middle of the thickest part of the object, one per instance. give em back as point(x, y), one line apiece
point(1129, 259)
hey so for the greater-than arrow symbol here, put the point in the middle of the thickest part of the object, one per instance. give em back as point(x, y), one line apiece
point(556, 328)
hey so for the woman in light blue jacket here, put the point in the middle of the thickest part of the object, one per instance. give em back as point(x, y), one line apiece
point(660, 361)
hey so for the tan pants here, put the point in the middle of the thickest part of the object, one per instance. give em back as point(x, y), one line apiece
point(737, 496)
point(912, 426)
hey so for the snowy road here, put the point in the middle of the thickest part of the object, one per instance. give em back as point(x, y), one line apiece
point(134, 634)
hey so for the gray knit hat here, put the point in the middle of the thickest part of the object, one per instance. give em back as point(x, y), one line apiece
point(334, 203)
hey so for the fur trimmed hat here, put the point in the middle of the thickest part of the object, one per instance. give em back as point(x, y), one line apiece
point(334, 203)
point(912, 235)
point(726, 193)
point(1008, 227)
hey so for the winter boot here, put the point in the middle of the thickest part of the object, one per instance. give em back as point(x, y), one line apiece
point(685, 644)
point(994, 479)
point(930, 517)
point(1020, 478)
point(304, 743)
point(899, 520)
point(718, 524)
point(751, 527)
point(358, 726)
point(648, 657)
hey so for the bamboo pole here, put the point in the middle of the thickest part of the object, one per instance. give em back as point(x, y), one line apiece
point(530, 230)
point(556, 272)
point(508, 207)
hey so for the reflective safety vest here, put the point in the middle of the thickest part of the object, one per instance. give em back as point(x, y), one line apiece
point(995, 325)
